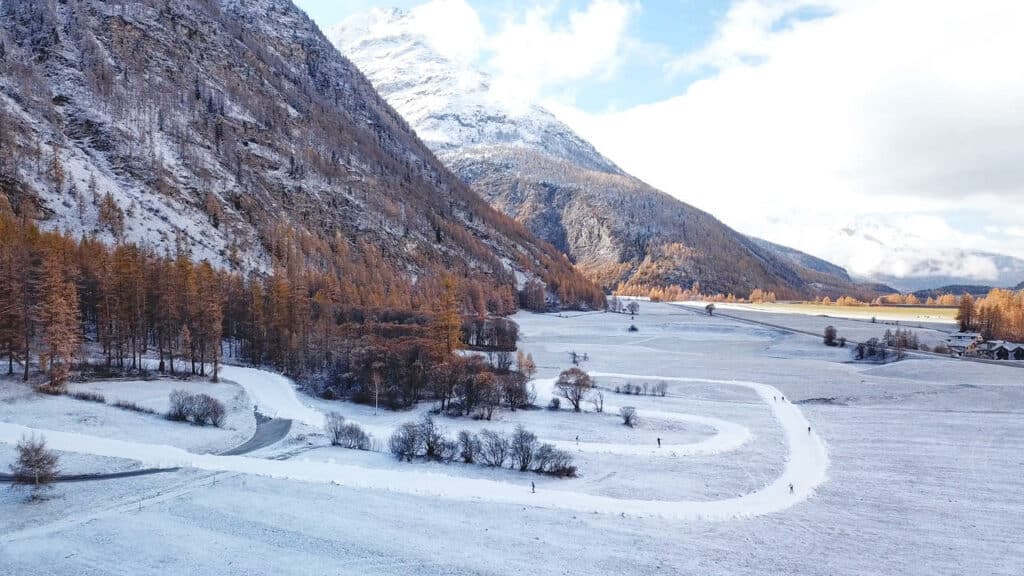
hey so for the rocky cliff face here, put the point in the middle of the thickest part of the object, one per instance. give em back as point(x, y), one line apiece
point(534, 168)
point(229, 128)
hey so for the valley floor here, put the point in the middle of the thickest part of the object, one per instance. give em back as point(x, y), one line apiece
point(908, 468)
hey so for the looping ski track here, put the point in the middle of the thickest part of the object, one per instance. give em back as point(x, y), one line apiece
point(805, 469)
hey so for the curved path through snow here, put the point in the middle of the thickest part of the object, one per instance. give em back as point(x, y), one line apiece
point(728, 435)
point(273, 394)
point(805, 467)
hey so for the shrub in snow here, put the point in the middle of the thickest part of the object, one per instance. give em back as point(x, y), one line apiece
point(353, 437)
point(334, 424)
point(830, 336)
point(180, 405)
point(36, 465)
point(88, 397)
point(633, 328)
point(629, 417)
point(200, 409)
point(555, 404)
point(469, 446)
point(126, 405)
point(494, 448)
point(405, 443)
point(551, 460)
point(206, 409)
point(432, 437)
point(447, 450)
point(522, 447)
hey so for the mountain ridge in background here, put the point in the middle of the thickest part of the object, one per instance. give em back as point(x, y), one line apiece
point(884, 253)
point(534, 168)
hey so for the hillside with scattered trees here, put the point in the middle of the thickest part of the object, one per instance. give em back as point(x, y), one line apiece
point(235, 133)
point(356, 330)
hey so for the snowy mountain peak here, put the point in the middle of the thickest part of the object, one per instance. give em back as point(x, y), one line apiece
point(447, 100)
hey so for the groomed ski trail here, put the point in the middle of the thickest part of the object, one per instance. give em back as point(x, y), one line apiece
point(806, 464)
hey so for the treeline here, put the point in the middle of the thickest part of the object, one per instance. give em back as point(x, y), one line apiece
point(997, 316)
point(353, 318)
point(894, 299)
point(672, 293)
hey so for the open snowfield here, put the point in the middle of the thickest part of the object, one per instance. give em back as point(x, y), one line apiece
point(904, 314)
point(18, 403)
point(854, 328)
point(910, 468)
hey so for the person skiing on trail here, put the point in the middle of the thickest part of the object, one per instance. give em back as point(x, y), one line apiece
point(808, 429)
point(659, 442)
point(533, 487)
point(790, 487)
point(577, 439)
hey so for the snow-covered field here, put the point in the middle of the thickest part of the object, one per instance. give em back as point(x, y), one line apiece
point(857, 329)
point(62, 413)
point(909, 468)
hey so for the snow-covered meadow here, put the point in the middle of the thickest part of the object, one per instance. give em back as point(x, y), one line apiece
point(908, 468)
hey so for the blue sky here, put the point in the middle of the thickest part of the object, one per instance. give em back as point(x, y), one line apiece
point(667, 29)
point(792, 120)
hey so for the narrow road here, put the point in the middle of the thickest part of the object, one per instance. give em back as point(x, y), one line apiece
point(269, 431)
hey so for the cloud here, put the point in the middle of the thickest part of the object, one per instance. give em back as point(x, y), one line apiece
point(452, 27)
point(532, 54)
point(818, 113)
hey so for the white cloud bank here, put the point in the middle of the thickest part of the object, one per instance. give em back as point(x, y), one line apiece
point(869, 114)
point(880, 107)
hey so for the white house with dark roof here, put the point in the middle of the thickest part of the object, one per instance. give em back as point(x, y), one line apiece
point(961, 343)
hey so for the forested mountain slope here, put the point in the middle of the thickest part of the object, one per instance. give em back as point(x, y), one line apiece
point(234, 130)
point(533, 167)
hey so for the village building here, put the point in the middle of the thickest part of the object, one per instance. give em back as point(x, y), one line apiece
point(964, 343)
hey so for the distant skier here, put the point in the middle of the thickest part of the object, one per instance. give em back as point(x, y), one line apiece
point(808, 429)
point(577, 439)
point(659, 442)
point(533, 487)
point(790, 487)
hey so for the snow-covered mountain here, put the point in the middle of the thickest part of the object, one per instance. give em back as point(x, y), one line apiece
point(883, 253)
point(448, 102)
point(235, 130)
point(535, 168)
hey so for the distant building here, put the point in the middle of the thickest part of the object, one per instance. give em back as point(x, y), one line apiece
point(964, 343)
point(1006, 351)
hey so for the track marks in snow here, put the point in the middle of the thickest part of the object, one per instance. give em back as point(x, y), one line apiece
point(805, 468)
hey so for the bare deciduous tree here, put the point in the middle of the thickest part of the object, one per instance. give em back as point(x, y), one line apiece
point(629, 417)
point(432, 437)
point(36, 465)
point(335, 424)
point(597, 399)
point(523, 445)
point(494, 448)
point(469, 446)
point(406, 442)
point(574, 385)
